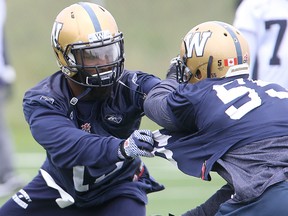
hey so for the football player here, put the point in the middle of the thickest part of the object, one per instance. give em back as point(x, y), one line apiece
point(217, 119)
point(86, 118)
point(10, 182)
point(264, 23)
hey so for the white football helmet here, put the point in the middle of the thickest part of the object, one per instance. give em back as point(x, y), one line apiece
point(212, 49)
point(88, 46)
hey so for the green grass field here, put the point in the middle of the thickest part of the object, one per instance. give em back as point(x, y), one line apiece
point(152, 31)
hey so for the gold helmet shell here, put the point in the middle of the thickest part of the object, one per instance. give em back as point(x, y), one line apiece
point(212, 50)
point(87, 29)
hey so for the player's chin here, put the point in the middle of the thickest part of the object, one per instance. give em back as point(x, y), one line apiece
point(99, 93)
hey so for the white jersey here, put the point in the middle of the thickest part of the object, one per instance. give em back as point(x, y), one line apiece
point(264, 25)
point(2, 23)
point(7, 72)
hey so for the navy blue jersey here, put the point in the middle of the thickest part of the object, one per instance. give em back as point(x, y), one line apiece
point(82, 141)
point(216, 115)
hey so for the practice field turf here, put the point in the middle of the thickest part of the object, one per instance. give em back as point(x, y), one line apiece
point(152, 31)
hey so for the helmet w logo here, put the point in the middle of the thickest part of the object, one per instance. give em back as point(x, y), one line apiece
point(55, 34)
point(196, 42)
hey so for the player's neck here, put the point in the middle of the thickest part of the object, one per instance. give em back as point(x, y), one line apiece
point(75, 88)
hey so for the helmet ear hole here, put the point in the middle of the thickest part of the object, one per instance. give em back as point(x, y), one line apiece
point(198, 74)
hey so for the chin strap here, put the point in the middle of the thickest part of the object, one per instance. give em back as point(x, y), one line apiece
point(141, 93)
point(74, 101)
point(138, 92)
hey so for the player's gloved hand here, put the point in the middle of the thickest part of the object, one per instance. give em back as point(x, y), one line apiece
point(172, 71)
point(140, 143)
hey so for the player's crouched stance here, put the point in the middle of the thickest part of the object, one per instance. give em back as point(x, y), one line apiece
point(219, 120)
point(86, 116)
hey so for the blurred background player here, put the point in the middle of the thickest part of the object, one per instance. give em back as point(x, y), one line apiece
point(86, 117)
point(9, 180)
point(237, 3)
point(224, 122)
point(264, 24)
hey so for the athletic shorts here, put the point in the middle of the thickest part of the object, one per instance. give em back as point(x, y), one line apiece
point(38, 199)
point(274, 201)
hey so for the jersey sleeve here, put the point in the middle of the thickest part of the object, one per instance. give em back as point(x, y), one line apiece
point(67, 145)
point(183, 109)
point(156, 107)
point(137, 84)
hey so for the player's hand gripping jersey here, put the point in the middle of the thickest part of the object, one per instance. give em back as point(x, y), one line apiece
point(83, 164)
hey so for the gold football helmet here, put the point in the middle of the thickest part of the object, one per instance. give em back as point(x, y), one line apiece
point(212, 49)
point(88, 46)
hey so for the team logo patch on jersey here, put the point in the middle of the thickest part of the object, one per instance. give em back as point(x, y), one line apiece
point(48, 99)
point(86, 127)
point(114, 118)
point(134, 79)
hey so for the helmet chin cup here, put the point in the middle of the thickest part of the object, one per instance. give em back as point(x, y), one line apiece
point(102, 79)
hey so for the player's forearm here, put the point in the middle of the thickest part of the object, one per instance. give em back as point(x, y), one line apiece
point(155, 105)
point(211, 206)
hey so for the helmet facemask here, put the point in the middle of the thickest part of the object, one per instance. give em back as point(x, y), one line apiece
point(182, 71)
point(88, 45)
point(96, 64)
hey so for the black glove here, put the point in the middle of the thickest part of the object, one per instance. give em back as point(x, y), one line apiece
point(171, 73)
point(140, 143)
point(211, 206)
